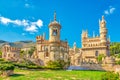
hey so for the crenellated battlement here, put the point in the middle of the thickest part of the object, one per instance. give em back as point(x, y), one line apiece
point(10, 53)
point(40, 37)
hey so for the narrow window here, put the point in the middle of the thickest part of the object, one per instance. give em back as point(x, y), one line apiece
point(47, 54)
point(96, 53)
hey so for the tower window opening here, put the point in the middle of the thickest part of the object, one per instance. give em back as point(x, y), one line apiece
point(54, 32)
point(104, 35)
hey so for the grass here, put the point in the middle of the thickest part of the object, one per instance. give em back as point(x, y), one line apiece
point(54, 75)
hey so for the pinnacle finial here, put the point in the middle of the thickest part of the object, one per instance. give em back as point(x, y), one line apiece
point(103, 17)
point(74, 44)
point(55, 16)
point(93, 34)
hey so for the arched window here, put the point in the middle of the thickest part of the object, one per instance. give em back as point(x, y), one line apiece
point(104, 35)
point(8, 55)
point(54, 32)
point(46, 52)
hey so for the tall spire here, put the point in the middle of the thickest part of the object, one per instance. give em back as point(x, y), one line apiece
point(55, 16)
point(93, 34)
point(99, 22)
point(74, 44)
point(103, 18)
point(109, 38)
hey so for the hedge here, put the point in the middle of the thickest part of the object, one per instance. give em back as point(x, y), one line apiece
point(1, 59)
point(4, 67)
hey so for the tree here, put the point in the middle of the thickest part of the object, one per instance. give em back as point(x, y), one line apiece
point(22, 54)
point(114, 48)
point(100, 57)
point(31, 51)
point(0, 54)
point(59, 64)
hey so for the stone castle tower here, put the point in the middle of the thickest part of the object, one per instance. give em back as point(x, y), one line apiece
point(96, 45)
point(54, 31)
point(52, 49)
point(103, 31)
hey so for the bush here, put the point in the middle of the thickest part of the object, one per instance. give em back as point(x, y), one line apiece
point(59, 64)
point(4, 67)
point(99, 58)
point(110, 76)
point(0, 54)
point(34, 67)
point(1, 59)
point(22, 65)
point(118, 62)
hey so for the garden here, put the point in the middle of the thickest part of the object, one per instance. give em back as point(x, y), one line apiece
point(54, 71)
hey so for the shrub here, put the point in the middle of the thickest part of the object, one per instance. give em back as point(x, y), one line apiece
point(99, 58)
point(22, 65)
point(118, 62)
point(59, 64)
point(110, 76)
point(0, 54)
point(34, 67)
point(1, 59)
point(6, 62)
point(4, 67)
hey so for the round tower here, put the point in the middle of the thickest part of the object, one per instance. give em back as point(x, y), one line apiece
point(54, 30)
point(103, 30)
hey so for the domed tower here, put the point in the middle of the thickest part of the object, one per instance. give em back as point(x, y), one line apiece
point(103, 31)
point(54, 30)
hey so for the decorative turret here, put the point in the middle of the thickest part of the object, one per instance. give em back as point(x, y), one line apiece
point(103, 30)
point(93, 34)
point(74, 45)
point(54, 30)
point(84, 34)
point(44, 36)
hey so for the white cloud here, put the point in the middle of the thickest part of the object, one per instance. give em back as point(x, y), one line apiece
point(27, 5)
point(106, 12)
point(5, 20)
point(110, 10)
point(28, 25)
point(39, 23)
point(31, 28)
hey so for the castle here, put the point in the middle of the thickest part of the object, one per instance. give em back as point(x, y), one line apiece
point(92, 47)
point(54, 48)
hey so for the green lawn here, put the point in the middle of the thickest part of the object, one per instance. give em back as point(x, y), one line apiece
point(54, 75)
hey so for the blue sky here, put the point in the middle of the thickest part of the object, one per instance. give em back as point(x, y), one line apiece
point(25, 19)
